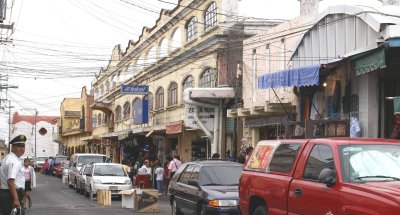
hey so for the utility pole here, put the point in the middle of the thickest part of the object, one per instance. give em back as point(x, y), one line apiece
point(35, 130)
point(9, 120)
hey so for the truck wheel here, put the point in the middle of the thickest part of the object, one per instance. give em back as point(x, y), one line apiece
point(260, 210)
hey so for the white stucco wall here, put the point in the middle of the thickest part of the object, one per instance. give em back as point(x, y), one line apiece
point(45, 146)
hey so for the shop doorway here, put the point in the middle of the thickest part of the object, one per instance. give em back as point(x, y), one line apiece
point(391, 89)
point(201, 149)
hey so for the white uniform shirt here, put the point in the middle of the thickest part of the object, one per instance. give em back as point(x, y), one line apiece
point(11, 168)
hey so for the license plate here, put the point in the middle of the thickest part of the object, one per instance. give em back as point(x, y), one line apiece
point(113, 188)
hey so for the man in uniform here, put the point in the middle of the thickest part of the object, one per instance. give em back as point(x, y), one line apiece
point(12, 181)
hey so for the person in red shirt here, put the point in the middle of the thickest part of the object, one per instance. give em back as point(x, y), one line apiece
point(46, 166)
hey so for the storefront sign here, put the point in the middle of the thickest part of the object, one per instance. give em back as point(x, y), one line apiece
point(264, 121)
point(135, 89)
point(206, 116)
point(174, 128)
point(141, 112)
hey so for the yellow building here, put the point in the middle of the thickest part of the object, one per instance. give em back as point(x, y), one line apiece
point(75, 125)
point(197, 45)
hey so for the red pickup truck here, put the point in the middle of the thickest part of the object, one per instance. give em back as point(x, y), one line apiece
point(322, 176)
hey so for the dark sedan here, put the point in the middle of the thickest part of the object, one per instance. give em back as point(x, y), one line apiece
point(205, 187)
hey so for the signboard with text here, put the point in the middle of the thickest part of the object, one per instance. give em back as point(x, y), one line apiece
point(135, 89)
point(206, 116)
point(140, 112)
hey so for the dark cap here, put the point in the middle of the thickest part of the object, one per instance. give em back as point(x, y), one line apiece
point(20, 139)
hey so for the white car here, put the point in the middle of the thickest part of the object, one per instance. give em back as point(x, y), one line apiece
point(108, 176)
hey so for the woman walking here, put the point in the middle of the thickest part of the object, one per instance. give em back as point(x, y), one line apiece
point(30, 182)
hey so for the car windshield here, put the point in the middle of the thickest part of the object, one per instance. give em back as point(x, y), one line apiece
point(109, 170)
point(220, 175)
point(91, 159)
point(58, 159)
point(41, 159)
point(363, 163)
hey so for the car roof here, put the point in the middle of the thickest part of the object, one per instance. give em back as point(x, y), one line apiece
point(87, 154)
point(109, 164)
point(336, 141)
point(215, 162)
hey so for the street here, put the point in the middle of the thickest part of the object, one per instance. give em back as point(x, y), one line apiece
point(52, 197)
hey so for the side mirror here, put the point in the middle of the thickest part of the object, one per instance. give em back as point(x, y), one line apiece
point(194, 183)
point(328, 177)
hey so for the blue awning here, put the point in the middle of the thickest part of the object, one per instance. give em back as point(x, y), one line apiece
point(302, 76)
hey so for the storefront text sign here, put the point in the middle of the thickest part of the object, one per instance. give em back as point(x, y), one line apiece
point(135, 89)
point(206, 116)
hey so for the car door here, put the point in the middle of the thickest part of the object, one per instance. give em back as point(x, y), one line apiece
point(193, 192)
point(182, 200)
point(306, 194)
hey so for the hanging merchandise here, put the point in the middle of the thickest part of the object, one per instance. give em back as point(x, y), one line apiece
point(396, 128)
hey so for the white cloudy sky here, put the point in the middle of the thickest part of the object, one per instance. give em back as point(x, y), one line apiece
point(58, 45)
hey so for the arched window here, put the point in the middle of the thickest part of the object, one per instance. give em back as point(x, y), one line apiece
point(191, 29)
point(173, 94)
point(139, 64)
point(151, 56)
point(163, 49)
point(99, 119)
point(114, 81)
point(188, 82)
point(118, 114)
point(108, 86)
point(96, 92)
point(210, 17)
point(149, 98)
point(176, 39)
point(207, 79)
point(159, 98)
point(101, 90)
point(127, 110)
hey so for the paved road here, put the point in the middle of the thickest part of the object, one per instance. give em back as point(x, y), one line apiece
point(53, 198)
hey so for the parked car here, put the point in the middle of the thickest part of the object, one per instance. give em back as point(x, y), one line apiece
point(80, 185)
point(65, 169)
point(57, 159)
point(205, 187)
point(40, 162)
point(59, 168)
point(109, 176)
point(76, 162)
point(322, 176)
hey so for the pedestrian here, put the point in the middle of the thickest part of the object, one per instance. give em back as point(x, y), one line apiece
point(46, 166)
point(30, 182)
point(242, 157)
point(174, 166)
point(166, 172)
point(215, 156)
point(159, 178)
point(12, 181)
point(249, 150)
point(228, 156)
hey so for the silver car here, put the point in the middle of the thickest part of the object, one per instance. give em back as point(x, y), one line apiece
point(108, 176)
point(81, 178)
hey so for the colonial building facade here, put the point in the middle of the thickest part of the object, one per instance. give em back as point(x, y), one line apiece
point(75, 125)
point(197, 45)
